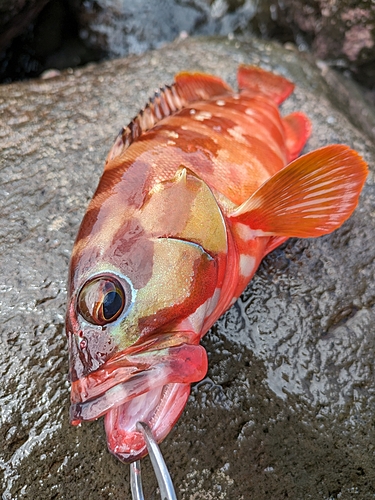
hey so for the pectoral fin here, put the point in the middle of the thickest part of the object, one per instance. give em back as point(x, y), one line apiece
point(310, 197)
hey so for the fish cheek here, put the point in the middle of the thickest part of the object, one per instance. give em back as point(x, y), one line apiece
point(183, 277)
point(203, 285)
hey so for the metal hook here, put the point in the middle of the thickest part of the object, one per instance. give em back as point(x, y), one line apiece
point(161, 472)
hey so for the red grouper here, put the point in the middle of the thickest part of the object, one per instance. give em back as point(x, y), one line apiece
point(201, 185)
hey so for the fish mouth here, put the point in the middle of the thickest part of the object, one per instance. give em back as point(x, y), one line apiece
point(160, 408)
point(151, 387)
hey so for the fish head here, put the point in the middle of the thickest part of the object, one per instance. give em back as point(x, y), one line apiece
point(137, 307)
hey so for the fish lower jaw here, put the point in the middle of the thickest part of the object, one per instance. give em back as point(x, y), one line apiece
point(159, 408)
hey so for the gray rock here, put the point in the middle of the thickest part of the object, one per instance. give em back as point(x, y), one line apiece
point(122, 28)
point(286, 409)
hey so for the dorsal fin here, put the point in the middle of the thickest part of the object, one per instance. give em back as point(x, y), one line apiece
point(297, 129)
point(200, 86)
point(187, 88)
point(165, 102)
point(259, 80)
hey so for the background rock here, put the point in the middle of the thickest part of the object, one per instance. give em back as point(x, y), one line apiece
point(339, 31)
point(123, 27)
point(287, 408)
point(69, 33)
point(15, 16)
point(47, 40)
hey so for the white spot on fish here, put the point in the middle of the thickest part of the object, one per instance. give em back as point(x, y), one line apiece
point(244, 231)
point(236, 96)
point(249, 111)
point(192, 111)
point(247, 265)
point(173, 134)
point(233, 301)
point(220, 102)
point(171, 143)
point(214, 300)
point(203, 115)
point(236, 133)
point(195, 321)
point(217, 128)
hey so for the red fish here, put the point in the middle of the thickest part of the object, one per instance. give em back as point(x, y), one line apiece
point(200, 186)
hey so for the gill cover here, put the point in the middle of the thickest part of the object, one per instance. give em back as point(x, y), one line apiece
point(182, 219)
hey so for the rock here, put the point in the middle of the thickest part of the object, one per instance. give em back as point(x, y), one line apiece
point(122, 28)
point(43, 35)
point(286, 409)
point(341, 32)
point(72, 33)
point(15, 16)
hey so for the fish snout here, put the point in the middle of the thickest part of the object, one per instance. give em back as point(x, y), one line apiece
point(88, 351)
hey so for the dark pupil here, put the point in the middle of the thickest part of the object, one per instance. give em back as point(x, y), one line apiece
point(112, 303)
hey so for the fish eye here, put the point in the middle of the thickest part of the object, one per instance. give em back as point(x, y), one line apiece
point(101, 300)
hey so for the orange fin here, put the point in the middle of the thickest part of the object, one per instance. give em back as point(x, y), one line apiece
point(275, 87)
point(200, 86)
point(311, 196)
point(297, 128)
point(165, 102)
point(274, 242)
point(188, 87)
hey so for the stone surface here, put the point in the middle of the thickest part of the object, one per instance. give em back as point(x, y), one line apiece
point(286, 409)
point(122, 28)
point(69, 33)
point(339, 31)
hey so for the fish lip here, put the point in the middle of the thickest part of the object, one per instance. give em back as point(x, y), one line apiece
point(128, 376)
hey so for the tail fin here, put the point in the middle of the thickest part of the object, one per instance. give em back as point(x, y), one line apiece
point(273, 86)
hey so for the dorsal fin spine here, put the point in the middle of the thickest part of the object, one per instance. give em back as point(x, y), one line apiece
point(169, 98)
point(165, 102)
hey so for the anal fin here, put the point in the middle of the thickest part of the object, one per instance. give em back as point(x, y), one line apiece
point(311, 196)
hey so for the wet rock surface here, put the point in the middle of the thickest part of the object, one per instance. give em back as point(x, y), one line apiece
point(287, 407)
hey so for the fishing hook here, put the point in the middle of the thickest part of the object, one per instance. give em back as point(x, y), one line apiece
point(161, 472)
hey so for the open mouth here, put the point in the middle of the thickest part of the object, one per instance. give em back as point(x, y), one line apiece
point(151, 387)
point(160, 408)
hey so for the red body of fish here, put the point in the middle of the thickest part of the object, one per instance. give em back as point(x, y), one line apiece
point(200, 186)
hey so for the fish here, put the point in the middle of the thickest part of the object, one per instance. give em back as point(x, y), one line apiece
point(200, 186)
